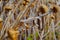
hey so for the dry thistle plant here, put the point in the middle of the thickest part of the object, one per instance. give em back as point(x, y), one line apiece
point(29, 20)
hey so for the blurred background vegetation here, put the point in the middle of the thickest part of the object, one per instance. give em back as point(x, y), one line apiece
point(29, 19)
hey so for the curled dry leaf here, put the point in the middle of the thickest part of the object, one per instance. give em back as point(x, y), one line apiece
point(13, 34)
point(1, 23)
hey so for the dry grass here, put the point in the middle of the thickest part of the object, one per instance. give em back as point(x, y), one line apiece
point(29, 20)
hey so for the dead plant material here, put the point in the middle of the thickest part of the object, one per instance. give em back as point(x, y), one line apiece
point(43, 9)
point(55, 8)
point(13, 34)
point(1, 23)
